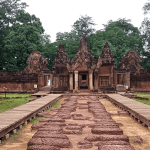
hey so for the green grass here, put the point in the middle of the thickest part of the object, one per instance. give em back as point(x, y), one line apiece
point(7, 104)
point(143, 101)
point(55, 105)
point(35, 120)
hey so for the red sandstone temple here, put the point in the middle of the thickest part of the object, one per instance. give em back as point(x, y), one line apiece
point(82, 72)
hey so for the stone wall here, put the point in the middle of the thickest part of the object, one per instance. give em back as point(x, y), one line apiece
point(105, 70)
point(140, 83)
point(18, 82)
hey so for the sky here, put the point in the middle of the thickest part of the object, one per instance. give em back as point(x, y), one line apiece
point(58, 15)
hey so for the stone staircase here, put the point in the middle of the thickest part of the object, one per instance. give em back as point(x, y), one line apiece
point(120, 88)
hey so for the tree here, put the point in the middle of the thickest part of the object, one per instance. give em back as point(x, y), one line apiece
point(8, 11)
point(121, 37)
point(146, 8)
point(83, 26)
point(22, 40)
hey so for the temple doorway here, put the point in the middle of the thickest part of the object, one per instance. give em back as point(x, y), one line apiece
point(83, 80)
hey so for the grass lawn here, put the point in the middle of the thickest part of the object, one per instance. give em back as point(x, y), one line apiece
point(143, 101)
point(7, 104)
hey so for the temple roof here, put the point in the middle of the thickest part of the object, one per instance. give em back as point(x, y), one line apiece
point(61, 58)
point(131, 60)
point(107, 56)
point(36, 62)
point(84, 54)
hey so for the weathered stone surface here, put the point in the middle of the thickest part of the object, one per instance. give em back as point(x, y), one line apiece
point(73, 128)
point(62, 143)
point(45, 119)
point(103, 125)
point(36, 62)
point(113, 138)
point(110, 131)
point(56, 123)
point(91, 138)
point(116, 147)
point(136, 139)
point(43, 134)
point(36, 126)
point(84, 142)
point(112, 143)
point(61, 60)
point(132, 61)
point(52, 128)
point(42, 147)
point(73, 132)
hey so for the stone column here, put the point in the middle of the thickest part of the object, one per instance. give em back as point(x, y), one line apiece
point(96, 80)
point(111, 76)
point(46, 80)
point(71, 80)
point(76, 80)
point(91, 79)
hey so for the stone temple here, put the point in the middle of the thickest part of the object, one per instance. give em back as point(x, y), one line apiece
point(83, 72)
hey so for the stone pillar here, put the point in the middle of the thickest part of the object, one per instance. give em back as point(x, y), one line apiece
point(76, 80)
point(40, 80)
point(91, 79)
point(111, 76)
point(46, 80)
point(96, 80)
point(71, 80)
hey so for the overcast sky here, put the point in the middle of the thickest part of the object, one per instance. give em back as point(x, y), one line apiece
point(59, 15)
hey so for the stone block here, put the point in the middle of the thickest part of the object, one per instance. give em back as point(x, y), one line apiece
point(14, 131)
point(6, 136)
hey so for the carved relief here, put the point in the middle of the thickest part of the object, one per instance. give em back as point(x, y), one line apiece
point(83, 58)
point(62, 61)
point(107, 56)
point(36, 62)
point(131, 60)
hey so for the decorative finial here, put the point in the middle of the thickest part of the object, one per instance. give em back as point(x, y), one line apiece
point(106, 45)
point(84, 36)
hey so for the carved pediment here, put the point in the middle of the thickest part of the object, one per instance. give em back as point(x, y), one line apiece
point(131, 60)
point(84, 54)
point(107, 56)
point(36, 62)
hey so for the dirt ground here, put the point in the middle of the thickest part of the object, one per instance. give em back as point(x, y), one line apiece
point(129, 126)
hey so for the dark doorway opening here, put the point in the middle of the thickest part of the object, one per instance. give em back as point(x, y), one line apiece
point(83, 87)
point(119, 79)
point(83, 77)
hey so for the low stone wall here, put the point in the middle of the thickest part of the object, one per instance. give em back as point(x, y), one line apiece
point(18, 82)
point(18, 87)
point(140, 83)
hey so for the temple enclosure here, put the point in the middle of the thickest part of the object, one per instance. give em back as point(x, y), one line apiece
point(82, 72)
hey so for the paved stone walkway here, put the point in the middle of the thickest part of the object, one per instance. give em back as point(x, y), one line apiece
point(80, 123)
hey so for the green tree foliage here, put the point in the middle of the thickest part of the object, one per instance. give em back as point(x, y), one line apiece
point(122, 37)
point(145, 29)
point(23, 37)
point(8, 11)
point(83, 26)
